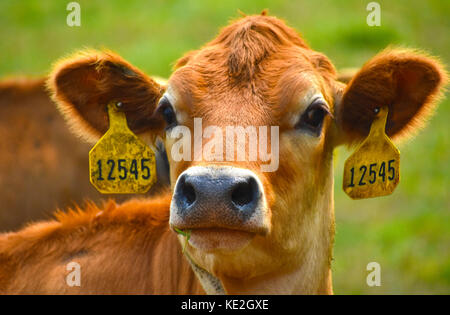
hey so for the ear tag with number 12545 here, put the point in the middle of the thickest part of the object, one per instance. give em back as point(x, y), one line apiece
point(120, 162)
point(373, 170)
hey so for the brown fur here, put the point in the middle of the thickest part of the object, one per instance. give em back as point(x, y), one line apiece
point(256, 72)
point(405, 80)
point(103, 78)
point(131, 242)
point(43, 166)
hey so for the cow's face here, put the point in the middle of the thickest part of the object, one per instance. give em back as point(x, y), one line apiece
point(251, 216)
point(247, 217)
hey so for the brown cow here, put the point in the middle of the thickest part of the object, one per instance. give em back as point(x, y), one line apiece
point(251, 230)
point(43, 165)
point(135, 252)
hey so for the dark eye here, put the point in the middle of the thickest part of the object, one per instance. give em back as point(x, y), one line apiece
point(312, 119)
point(167, 112)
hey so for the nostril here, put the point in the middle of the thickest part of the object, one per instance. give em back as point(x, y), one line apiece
point(189, 193)
point(186, 192)
point(244, 192)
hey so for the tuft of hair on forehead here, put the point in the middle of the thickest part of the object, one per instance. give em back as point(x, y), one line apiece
point(249, 40)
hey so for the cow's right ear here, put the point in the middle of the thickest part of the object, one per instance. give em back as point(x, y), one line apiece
point(405, 81)
point(83, 85)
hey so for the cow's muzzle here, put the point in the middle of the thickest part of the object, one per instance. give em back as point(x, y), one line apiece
point(219, 199)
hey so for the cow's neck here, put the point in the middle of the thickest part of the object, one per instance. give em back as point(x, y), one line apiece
point(311, 276)
point(294, 282)
point(211, 284)
point(312, 272)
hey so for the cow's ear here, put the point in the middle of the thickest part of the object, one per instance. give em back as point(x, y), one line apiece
point(406, 81)
point(83, 85)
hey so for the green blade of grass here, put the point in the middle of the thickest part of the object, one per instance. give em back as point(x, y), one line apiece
point(186, 234)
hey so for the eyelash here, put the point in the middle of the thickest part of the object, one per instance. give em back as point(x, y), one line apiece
point(312, 118)
point(166, 110)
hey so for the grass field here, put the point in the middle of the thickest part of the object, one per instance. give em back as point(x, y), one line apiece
point(408, 233)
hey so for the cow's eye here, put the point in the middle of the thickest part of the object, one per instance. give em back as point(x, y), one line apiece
point(167, 112)
point(312, 119)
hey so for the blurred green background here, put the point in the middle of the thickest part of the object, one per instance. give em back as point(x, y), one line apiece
point(408, 233)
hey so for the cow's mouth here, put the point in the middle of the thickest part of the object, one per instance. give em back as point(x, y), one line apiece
point(212, 239)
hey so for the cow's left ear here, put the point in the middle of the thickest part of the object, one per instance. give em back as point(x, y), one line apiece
point(405, 81)
point(83, 85)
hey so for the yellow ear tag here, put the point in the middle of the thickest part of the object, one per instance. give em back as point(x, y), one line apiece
point(373, 170)
point(120, 163)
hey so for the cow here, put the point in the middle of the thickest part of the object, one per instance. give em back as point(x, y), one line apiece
point(43, 165)
point(242, 229)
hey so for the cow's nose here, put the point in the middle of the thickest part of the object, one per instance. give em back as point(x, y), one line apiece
point(239, 193)
point(226, 197)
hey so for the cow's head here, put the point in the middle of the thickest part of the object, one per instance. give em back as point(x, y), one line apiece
point(252, 217)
